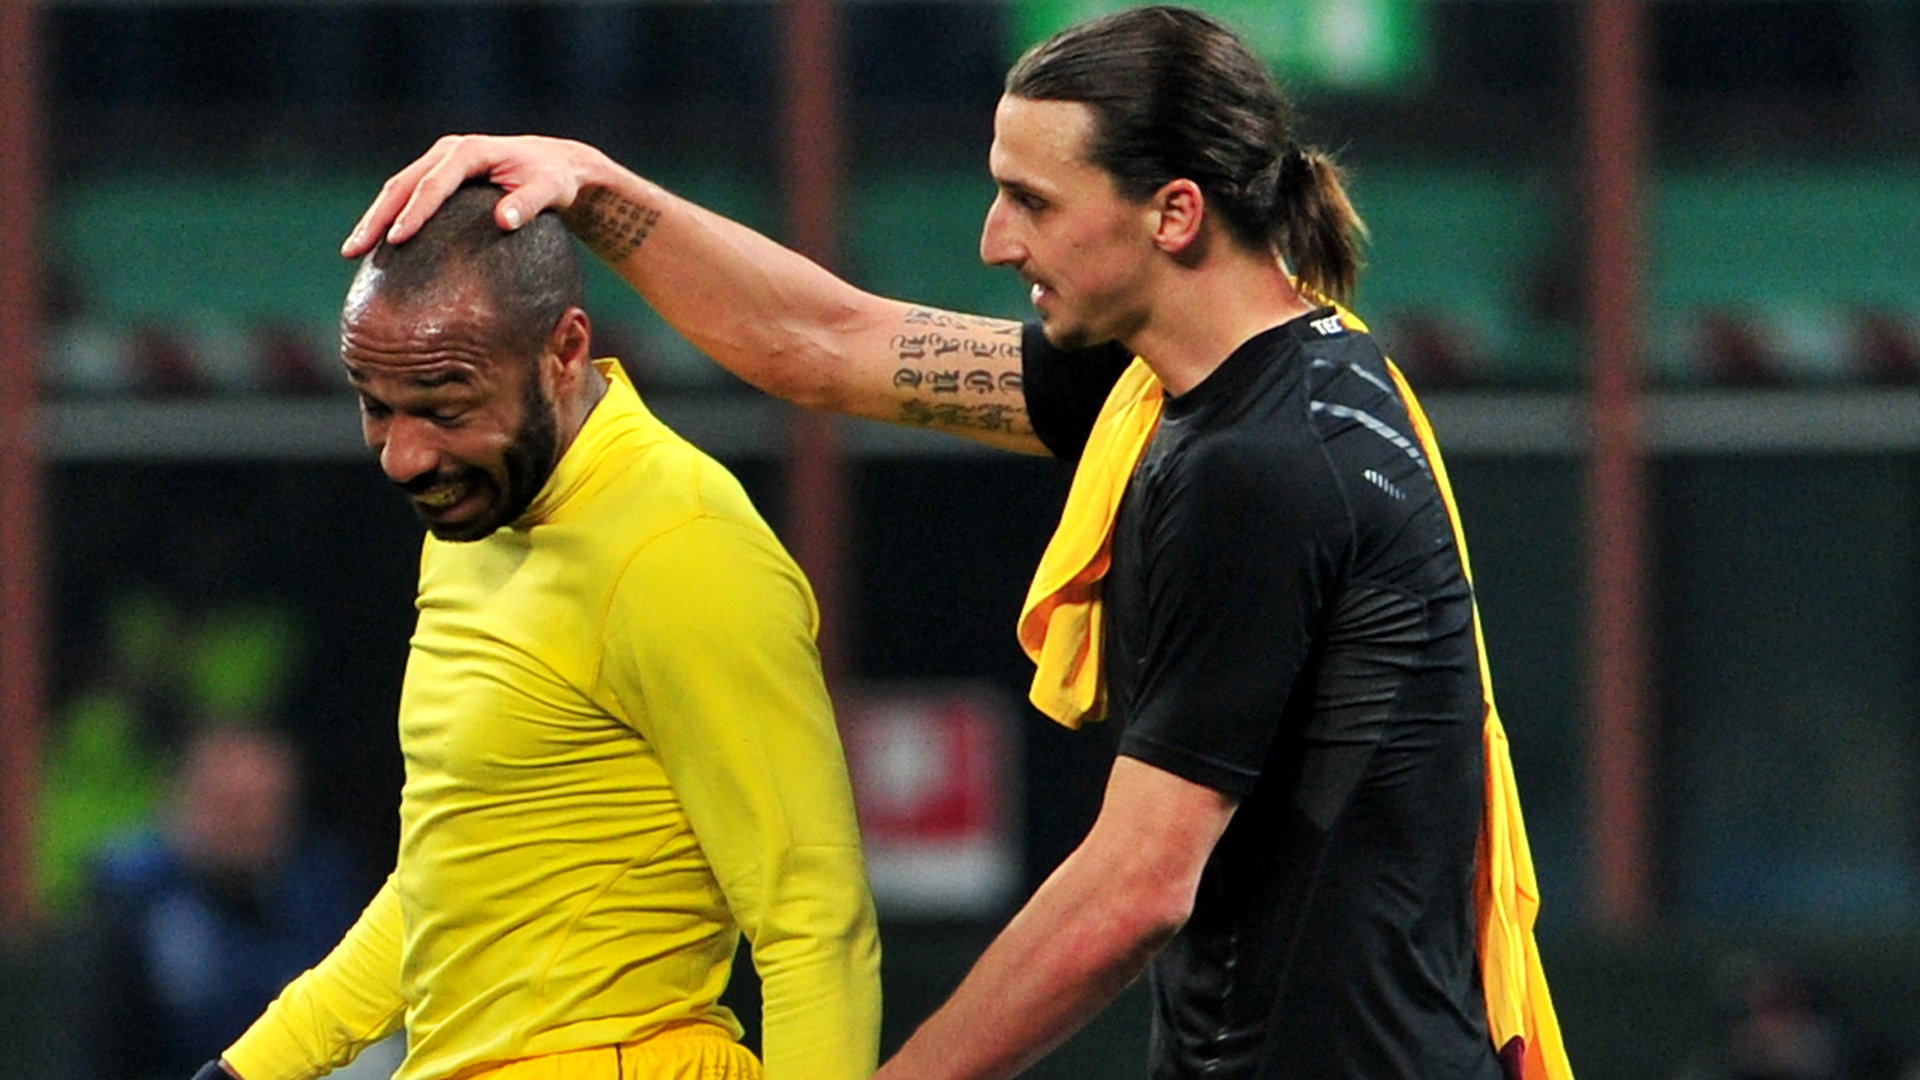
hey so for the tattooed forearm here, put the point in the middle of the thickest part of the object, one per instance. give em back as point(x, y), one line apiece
point(932, 345)
point(955, 416)
point(611, 225)
point(920, 316)
point(977, 381)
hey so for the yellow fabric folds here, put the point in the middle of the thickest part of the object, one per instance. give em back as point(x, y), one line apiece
point(1060, 621)
point(1506, 892)
point(1060, 629)
point(695, 1052)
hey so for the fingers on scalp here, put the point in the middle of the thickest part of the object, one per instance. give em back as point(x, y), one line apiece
point(358, 241)
point(409, 178)
point(428, 192)
point(397, 197)
point(386, 203)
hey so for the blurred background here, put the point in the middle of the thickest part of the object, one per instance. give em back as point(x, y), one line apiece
point(1652, 264)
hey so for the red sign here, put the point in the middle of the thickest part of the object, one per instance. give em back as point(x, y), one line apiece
point(931, 767)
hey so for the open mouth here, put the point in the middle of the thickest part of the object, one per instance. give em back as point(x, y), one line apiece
point(447, 500)
point(441, 497)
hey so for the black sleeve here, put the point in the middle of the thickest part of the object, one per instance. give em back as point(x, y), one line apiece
point(1066, 387)
point(1245, 550)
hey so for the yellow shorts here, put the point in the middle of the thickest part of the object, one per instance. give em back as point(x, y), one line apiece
point(700, 1053)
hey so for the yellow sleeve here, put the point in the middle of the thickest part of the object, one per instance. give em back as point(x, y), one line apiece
point(344, 1004)
point(710, 649)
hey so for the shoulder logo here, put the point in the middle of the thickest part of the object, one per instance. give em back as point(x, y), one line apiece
point(1328, 325)
point(1384, 484)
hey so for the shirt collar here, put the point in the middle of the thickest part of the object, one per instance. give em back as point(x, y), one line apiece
point(577, 465)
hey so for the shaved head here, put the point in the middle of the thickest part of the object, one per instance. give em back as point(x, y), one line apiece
point(532, 275)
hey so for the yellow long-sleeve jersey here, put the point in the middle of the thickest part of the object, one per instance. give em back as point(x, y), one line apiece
point(619, 755)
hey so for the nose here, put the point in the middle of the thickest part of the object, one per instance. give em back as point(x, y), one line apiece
point(997, 246)
point(406, 448)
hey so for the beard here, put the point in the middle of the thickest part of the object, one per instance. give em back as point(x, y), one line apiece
point(1069, 327)
point(526, 464)
point(1065, 335)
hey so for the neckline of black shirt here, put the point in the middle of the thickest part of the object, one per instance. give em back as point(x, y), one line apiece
point(1241, 365)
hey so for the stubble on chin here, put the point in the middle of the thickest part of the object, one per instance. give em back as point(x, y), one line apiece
point(1071, 336)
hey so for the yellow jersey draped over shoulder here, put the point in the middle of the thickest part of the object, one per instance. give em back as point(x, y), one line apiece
point(620, 754)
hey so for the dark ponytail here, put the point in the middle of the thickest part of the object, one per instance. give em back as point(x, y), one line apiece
point(1315, 225)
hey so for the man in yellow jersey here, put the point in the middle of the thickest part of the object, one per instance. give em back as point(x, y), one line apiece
point(620, 755)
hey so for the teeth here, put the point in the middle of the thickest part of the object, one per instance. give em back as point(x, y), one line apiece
point(441, 497)
point(1035, 292)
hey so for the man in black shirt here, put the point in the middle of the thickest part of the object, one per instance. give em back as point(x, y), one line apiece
point(1290, 831)
point(1288, 623)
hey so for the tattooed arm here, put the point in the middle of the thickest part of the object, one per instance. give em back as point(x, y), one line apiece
point(763, 311)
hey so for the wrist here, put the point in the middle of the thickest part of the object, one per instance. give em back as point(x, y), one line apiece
point(613, 216)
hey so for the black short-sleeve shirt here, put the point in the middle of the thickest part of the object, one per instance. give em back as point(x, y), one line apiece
point(1288, 622)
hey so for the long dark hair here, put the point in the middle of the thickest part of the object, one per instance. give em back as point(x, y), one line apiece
point(1176, 94)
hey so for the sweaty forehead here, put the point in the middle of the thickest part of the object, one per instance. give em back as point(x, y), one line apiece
point(446, 339)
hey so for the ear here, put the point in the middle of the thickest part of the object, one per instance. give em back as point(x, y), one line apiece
point(570, 346)
point(1179, 209)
